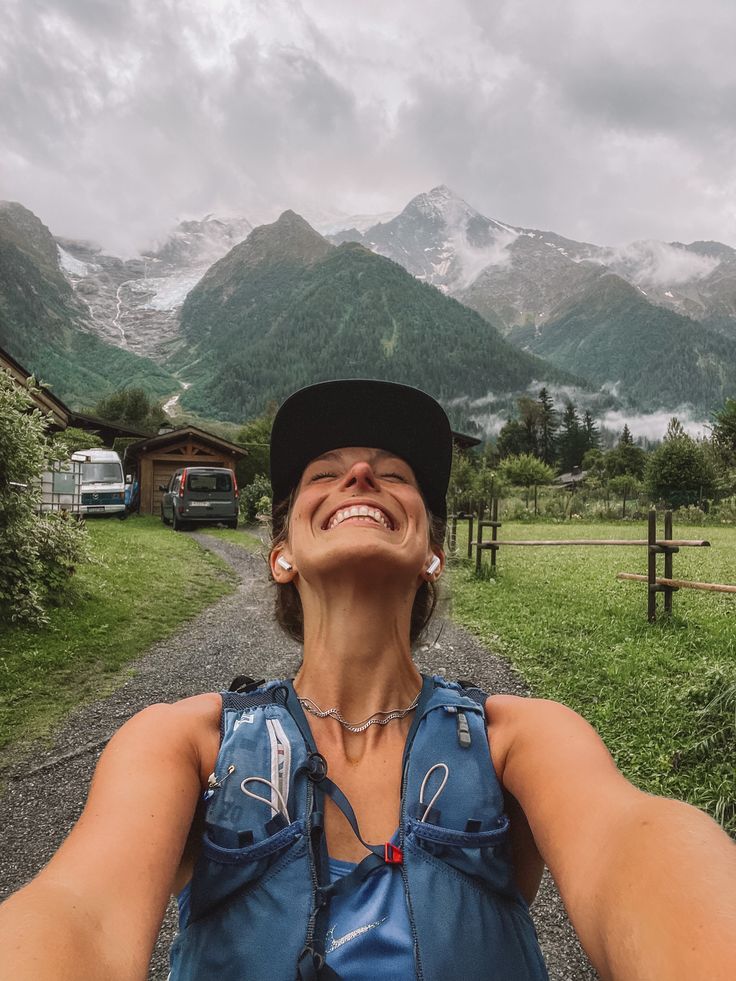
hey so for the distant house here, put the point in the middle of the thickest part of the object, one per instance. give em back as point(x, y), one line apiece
point(463, 442)
point(572, 480)
point(156, 458)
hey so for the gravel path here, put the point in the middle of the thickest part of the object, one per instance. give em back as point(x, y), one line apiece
point(43, 795)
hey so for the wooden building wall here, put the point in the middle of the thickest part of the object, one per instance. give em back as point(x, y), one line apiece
point(156, 466)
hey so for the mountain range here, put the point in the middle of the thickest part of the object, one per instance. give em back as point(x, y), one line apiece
point(45, 324)
point(286, 307)
point(655, 321)
point(222, 317)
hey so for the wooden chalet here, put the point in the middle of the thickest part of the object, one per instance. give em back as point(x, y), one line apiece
point(158, 457)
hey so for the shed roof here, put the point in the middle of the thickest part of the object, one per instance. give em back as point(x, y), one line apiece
point(174, 436)
point(463, 441)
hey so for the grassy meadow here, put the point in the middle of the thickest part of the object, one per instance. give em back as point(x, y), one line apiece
point(662, 696)
point(143, 582)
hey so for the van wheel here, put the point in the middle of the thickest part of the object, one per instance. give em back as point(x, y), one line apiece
point(232, 524)
point(164, 518)
point(175, 523)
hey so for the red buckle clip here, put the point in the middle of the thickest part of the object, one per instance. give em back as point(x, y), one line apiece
point(392, 854)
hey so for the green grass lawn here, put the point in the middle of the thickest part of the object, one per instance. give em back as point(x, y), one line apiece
point(662, 696)
point(144, 581)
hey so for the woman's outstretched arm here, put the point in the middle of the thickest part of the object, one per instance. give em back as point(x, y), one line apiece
point(95, 910)
point(649, 883)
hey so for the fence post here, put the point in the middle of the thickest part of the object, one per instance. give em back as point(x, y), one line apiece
point(453, 535)
point(479, 548)
point(494, 531)
point(652, 567)
point(471, 519)
point(668, 590)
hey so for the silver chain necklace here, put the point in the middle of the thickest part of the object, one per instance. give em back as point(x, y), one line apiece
point(377, 719)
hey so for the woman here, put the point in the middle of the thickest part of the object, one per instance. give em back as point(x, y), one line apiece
point(359, 471)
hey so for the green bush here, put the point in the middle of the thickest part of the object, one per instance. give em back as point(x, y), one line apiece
point(252, 497)
point(38, 552)
point(678, 473)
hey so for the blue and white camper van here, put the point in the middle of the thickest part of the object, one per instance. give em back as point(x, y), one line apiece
point(102, 488)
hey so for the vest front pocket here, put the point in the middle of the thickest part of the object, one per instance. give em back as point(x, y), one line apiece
point(250, 909)
point(485, 930)
point(482, 855)
point(221, 872)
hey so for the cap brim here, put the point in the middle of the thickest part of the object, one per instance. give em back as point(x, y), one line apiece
point(363, 412)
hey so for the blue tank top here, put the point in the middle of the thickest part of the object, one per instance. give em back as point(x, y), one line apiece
point(369, 926)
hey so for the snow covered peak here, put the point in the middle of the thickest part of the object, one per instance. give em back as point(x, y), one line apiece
point(441, 204)
point(201, 242)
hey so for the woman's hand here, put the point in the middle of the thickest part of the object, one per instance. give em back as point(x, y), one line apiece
point(95, 910)
point(649, 883)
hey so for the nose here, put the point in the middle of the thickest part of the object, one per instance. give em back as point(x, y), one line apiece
point(360, 476)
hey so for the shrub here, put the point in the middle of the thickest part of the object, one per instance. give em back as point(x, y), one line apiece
point(679, 473)
point(252, 497)
point(38, 552)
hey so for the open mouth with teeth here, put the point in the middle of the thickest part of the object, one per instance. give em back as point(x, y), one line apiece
point(359, 514)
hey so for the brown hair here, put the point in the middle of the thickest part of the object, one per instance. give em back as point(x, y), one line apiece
point(288, 604)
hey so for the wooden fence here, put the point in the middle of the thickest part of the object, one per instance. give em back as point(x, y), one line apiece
point(666, 546)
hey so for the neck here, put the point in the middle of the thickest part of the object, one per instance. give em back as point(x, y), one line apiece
point(357, 653)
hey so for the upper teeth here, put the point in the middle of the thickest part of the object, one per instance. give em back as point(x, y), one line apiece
point(359, 511)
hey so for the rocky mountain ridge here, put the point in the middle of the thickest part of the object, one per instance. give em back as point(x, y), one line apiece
point(46, 325)
point(285, 308)
point(135, 303)
point(517, 277)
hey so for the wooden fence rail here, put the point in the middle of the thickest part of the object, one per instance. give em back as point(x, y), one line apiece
point(711, 587)
point(666, 546)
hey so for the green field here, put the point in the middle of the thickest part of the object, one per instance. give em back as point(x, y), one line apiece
point(662, 696)
point(144, 581)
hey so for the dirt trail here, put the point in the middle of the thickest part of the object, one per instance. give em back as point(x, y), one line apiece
point(43, 795)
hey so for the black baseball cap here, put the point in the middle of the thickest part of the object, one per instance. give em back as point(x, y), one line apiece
point(363, 412)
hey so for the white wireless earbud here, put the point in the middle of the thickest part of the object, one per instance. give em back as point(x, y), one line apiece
point(433, 565)
point(283, 563)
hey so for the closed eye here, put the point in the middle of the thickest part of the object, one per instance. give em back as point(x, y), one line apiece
point(320, 476)
point(396, 476)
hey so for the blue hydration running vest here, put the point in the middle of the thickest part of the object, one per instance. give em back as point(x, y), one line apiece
point(258, 904)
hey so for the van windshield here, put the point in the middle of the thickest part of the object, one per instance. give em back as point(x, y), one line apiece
point(102, 473)
point(203, 482)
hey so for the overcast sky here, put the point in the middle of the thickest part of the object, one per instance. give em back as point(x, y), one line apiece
point(603, 120)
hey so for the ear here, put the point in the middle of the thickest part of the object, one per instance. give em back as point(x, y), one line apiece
point(279, 573)
point(433, 555)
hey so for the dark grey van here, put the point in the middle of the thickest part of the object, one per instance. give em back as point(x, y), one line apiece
point(200, 495)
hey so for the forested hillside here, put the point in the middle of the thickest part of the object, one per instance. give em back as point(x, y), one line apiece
point(42, 322)
point(661, 359)
point(285, 308)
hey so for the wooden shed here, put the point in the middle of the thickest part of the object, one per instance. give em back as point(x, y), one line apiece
point(158, 457)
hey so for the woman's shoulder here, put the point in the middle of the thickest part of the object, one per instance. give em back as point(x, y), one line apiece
point(189, 729)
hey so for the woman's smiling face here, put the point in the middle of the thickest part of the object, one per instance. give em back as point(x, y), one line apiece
point(359, 502)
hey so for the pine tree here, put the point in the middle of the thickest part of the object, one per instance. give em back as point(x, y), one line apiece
point(675, 429)
point(547, 427)
point(626, 438)
point(571, 440)
point(592, 433)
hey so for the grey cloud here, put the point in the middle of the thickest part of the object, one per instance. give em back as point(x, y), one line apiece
point(609, 121)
